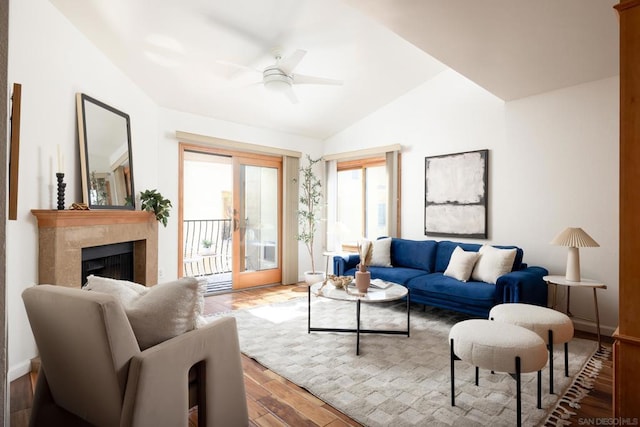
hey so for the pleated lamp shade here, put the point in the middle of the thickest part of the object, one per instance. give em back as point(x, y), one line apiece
point(574, 238)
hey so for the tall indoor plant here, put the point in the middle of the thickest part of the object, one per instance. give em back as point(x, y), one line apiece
point(309, 213)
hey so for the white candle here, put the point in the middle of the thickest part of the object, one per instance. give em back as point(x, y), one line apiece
point(60, 161)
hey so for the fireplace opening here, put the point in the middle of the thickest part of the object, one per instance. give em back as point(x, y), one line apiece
point(114, 261)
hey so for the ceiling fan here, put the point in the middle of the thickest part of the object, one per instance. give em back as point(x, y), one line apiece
point(280, 77)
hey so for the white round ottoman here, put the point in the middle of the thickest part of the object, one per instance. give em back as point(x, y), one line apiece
point(551, 325)
point(500, 347)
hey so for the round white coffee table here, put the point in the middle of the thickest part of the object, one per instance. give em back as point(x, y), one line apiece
point(393, 292)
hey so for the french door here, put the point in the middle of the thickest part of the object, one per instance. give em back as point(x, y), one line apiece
point(230, 216)
point(257, 221)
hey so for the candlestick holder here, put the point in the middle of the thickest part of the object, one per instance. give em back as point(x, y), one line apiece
point(61, 187)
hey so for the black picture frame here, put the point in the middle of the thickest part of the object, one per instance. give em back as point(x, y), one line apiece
point(106, 164)
point(456, 194)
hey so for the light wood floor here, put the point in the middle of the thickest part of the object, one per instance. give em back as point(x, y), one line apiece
point(274, 401)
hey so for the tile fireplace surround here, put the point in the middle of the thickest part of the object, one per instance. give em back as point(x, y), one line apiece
point(63, 234)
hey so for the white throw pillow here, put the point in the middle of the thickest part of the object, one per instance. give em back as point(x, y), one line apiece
point(461, 264)
point(493, 263)
point(126, 291)
point(159, 312)
point(381, 255)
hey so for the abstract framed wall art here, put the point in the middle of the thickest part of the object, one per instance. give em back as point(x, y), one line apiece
point(456, 190)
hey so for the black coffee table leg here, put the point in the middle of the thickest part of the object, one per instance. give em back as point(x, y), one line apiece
point(358, 328)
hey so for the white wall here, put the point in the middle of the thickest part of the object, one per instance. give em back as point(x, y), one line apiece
point(553, 163)
point(53, 61)
point(566, 145)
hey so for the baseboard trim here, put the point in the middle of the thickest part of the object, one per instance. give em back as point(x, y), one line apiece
point(590, 326)
point(18, 370)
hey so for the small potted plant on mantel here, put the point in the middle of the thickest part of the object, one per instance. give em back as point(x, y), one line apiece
point(309, 214)
point(153, 201)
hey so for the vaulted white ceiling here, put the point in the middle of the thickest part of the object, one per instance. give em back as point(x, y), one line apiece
point(380, 49)
point(512, 48)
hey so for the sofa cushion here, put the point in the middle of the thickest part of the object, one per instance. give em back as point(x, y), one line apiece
point(461, 264)
point(400, 275)
point(441, 287)
point(493, 263)
point(418, 254)
point(156, 313)
point(446, 248)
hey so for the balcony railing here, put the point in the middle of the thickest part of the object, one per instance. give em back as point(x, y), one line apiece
point(207, 246)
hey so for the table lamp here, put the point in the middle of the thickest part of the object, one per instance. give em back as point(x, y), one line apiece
point(574, 238)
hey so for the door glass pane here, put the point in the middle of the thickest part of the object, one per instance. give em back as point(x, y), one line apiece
point(376, 200)
point(259, 218)
point(207, 212)
point(350, 209)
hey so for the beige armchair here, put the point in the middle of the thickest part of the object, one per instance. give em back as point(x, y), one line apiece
point(93, 372)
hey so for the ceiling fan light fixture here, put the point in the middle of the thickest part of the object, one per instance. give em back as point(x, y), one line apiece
point(275, 80)
point(280, 77)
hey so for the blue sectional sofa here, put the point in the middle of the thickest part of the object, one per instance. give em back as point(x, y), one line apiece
point(419, 265)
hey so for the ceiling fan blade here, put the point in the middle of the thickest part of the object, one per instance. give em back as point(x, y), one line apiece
point(290, 62)
point(291, 95)
point(241, 67)
point(299, 79)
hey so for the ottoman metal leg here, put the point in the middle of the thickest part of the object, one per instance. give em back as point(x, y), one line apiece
point(539, 389)
point(566, 360)
point(453, 358)
point(550, 346)
point(518, 397)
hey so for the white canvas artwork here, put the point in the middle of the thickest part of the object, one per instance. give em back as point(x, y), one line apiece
point(456, 194)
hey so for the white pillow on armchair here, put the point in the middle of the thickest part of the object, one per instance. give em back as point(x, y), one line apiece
point(158, 312)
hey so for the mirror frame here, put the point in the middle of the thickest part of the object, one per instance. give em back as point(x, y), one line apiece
point(81, 101)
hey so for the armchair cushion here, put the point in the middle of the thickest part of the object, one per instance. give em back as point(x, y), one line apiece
point(156, 313)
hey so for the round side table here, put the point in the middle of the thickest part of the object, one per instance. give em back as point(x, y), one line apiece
point(583, 283)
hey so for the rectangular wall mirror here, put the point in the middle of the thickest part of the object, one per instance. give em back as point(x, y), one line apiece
point(105, 155)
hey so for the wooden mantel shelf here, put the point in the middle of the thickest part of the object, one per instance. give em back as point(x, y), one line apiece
point(78, 218)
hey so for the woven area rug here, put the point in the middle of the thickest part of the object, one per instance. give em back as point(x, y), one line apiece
point(398, 380)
